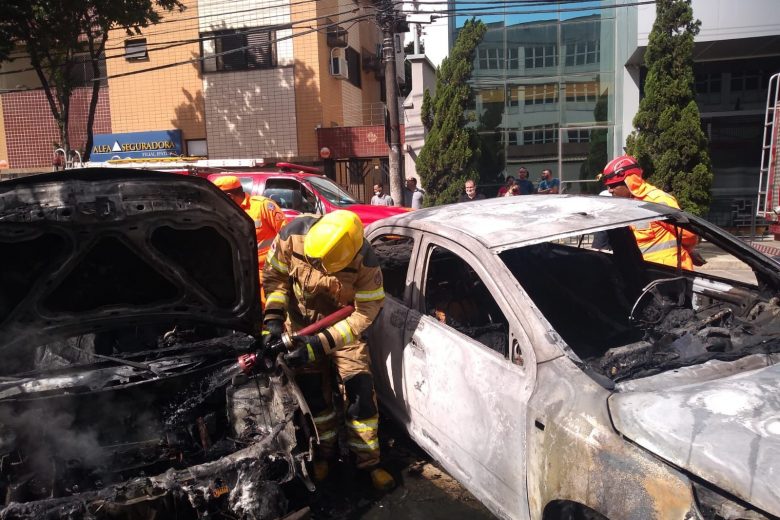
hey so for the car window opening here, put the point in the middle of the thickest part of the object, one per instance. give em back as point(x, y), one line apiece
point(394, 253)
point(626, 318)
point(456, 296)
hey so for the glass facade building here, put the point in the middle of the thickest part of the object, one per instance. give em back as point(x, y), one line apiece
point(558, 82)
point(544, 85)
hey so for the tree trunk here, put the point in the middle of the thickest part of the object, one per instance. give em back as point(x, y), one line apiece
point(93, 101)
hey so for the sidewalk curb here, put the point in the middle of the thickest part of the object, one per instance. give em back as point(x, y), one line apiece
point(763, 248)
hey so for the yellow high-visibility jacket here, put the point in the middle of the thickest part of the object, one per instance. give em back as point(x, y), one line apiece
point(657, 240)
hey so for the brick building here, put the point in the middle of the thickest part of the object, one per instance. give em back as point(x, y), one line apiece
point(298, 70)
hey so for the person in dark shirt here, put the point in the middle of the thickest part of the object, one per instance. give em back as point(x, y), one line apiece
point(470, 193)
point(526, 187)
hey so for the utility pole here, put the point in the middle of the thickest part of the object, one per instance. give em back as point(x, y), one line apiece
point(387, 21)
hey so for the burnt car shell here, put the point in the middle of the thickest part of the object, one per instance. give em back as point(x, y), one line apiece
point(125, 298)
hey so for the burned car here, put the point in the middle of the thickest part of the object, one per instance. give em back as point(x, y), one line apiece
point(126, 298)
point(555, 380)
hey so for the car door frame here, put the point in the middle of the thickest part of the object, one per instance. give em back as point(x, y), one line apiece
point(390, 384)
point(487, 267)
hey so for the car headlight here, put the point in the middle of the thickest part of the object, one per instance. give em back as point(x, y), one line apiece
point(714, 504)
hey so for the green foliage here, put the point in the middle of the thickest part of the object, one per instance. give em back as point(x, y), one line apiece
point(668, 141)
point(451, 150)
point(58, 35)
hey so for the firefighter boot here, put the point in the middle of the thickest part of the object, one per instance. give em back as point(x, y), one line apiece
point(382, 480)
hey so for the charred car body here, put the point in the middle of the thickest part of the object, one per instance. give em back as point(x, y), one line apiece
point(125, 299)
point(559, 381)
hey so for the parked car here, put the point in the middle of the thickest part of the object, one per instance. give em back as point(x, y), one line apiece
point(299, 189)
point(554, 380)
point(126, 297)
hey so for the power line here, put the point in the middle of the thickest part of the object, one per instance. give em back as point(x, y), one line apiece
point(475, 12)
point(229, 14)
point(179, 43)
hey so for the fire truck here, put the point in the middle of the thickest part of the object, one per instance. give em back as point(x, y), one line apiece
point(769, 179)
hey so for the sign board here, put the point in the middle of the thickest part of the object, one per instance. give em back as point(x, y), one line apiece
point(137, 145)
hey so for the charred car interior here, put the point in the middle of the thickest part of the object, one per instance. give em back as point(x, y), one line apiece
point(625, 318)
point(126, 299)
point(622, 317)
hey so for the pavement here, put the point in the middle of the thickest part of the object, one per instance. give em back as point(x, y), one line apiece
point(725, 265)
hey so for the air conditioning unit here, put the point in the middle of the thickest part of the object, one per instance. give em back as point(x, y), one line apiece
point(338, 64)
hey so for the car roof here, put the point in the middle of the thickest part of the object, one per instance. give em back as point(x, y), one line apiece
point(511, 221)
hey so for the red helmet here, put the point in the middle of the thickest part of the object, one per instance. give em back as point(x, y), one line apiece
point(619, 168)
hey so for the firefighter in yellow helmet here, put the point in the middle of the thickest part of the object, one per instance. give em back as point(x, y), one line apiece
point(316, 266)
point(657, 241)
point(266, 214)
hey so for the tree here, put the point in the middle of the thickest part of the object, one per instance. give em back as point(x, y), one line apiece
point(668, 141)
point(451, 149)
point(60, 35)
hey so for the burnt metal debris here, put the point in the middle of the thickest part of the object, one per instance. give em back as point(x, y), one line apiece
point(82, 439)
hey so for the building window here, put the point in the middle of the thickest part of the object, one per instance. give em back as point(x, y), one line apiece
point(708, 88)
point(197, 148)
point(491, 58)
point(541, 134)
point(513, 97)
point(578, 135)
point(238, 50)
point(512, 138)
point(582, 53)
point(135, 50)
point(582, 92)
point(746, 86)
point(541, 94)
point(542, 56)
point(81, 73)
point(353, 66)
point(513, 58)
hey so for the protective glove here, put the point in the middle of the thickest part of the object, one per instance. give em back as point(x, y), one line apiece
point(306, 349)
point(272, 332)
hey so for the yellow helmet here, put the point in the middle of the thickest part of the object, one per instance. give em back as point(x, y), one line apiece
point(334, 240)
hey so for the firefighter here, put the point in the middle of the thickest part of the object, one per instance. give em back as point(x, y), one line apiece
point(316, 266)
point(266, 214)
point(656, 240)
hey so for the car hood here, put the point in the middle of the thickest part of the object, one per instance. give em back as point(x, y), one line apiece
point(726, 431)
point(369, 214)
point(84, 249)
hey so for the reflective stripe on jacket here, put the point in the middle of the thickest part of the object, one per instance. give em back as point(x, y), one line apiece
point(293, 286)
point(658, 240)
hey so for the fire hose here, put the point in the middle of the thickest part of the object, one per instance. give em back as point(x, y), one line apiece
point(267, 358)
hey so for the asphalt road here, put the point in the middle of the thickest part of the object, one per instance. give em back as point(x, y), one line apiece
point(423, 492)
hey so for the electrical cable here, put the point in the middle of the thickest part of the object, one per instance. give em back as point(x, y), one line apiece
point(180, 43)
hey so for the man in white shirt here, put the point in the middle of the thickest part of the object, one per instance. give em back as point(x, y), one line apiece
point(380, 198)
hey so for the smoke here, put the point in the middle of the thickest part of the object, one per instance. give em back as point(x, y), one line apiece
point(44, 434)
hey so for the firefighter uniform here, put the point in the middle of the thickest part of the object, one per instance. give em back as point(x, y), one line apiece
point(302, 293)
point(269, 220)
point(658, 241)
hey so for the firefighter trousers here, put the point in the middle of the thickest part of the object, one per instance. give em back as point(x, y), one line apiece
point(351, 364)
